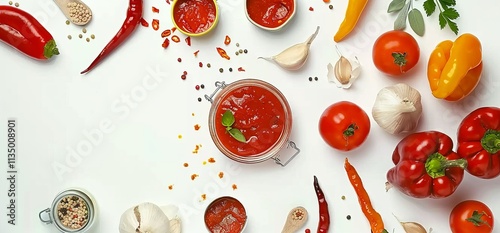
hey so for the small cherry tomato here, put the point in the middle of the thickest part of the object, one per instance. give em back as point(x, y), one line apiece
point(471, 216)
point(344, 125)
point(395, 52)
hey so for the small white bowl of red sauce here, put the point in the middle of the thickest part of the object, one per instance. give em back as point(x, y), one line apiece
point(262, 114)
point(270, 15)
point(195, 17)
point(225, 214)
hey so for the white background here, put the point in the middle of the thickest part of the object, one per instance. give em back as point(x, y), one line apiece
point(141, 154)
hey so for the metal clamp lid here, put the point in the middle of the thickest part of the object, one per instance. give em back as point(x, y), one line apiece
point(219, 86)
point(292, 145)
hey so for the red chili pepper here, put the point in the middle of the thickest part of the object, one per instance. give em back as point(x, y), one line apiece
point(144, 23)
point(165, 43)
point(23, 32)
point(155, 10)
point(426, 165)
point(324, 215)
point(173, 29)
point(223, 53)
point(166, 33)
point(479, 142)
point(188, 40)
point(168, 2)
point(176, 39)
point(155, 24)
point(227, 40)
point(196, 53)
point(134, 16)
point(241, 69)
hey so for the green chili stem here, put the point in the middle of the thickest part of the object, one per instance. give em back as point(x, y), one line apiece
point(491, 141)
point(436, 164)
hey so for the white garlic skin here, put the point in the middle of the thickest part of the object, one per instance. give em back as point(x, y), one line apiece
point(144, 218)
point(397, 109)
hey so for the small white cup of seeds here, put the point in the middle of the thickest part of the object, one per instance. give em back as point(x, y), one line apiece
point(72, 211)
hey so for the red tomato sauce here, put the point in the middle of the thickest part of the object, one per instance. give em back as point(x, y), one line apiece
point(226, 215)
point(270, 13)
point(258, 114)
point(194, 16)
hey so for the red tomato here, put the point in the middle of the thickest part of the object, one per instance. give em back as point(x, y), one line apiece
point(344, 126)
point(471, 216)
point(395, 52)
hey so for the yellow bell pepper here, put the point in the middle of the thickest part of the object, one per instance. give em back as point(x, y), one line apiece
point(455, 68)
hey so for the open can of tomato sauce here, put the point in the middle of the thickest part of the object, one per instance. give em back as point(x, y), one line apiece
point(73, 211)
point(250, 121)
point(225, 214)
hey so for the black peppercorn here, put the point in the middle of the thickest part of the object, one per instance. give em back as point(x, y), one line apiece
point(202, 86)
point(221, 70)
point(199, 99)
point(245, 51)
point(310, 78)
point(348, 217)
point(315, 78)
point(230, 69)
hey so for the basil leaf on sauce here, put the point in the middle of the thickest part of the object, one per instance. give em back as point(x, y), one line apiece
point(227, 118)
point(236, 133)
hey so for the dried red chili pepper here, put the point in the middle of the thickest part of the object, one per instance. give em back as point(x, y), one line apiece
point(227, 40)
point(223, 53)
point(22, 31)
point(155, 10)
point(134, 16)
point(241, 69)
point(188, 40)
point(155, 24)
point(176, 39)
point(324, 215)
point(165, 43)
point(376, 223)
point(166, 33)
point(144, 23)
point(196, 53)
point(173, 29)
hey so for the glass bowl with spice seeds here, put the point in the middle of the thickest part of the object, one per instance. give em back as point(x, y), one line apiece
point(72, 212)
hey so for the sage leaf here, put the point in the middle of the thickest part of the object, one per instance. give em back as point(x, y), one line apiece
point(416, 21)
point(396, 5)
point(227, 118)
point(400, 23)
point(236, 134)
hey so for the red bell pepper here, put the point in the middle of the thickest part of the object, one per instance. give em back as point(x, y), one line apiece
point(479, 142)
point(426, 166)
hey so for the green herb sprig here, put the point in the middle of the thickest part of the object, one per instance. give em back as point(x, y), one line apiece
point(228, 121)
point(406, 10)
point(447, 12)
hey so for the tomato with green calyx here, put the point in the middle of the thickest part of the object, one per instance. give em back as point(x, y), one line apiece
point(344, 125)
point(471, 216)
point(395, 52)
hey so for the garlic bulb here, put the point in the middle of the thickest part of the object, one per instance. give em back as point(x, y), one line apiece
point(397, 108)
point(145, 218)
point(294, 57)
point(345, 72)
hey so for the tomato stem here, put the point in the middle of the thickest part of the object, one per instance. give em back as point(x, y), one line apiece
point(399, 59)
point(436, 165)
point(476, 219)
point(491, 141)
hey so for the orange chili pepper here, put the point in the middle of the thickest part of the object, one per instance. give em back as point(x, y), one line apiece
point(176, 39)
point(165, 43)
point(352, 14)
point(166, 33)
point(196, 53)
point(376, 223)
point(144, 23)
point(455, 68)
point(155, 24)
point(188, 40)
point(155, 10)
point(223, 53)
point(227, 40)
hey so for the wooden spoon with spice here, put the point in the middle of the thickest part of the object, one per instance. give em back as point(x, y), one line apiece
point(76, 11)
point(295, 220)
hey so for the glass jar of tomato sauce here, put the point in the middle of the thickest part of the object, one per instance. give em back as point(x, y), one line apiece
point(260, 112)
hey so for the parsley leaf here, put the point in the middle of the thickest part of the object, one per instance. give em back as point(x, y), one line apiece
point(429, 7)
point(447, 12)
point(451, 13)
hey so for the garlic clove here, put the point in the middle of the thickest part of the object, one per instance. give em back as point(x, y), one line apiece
point(343, 70)
point(344, 73)
point(412, 227)
point(145, 217)
point(294, 57)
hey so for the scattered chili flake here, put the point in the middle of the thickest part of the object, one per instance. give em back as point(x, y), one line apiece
point(223, 53)
point(326, 1)
point(170, 187)
point(188, 40)
point(179, 136)
point(165, 43)
point(197, 87)
point(155, 10)
point(199, 99)
point(227, 40)
point(168, 2)
point(221, 175)
point(193, 176)
point(166, 33)
point(234, 186)
point(196, 53)
point(144, 23)
point(196, 148)
point(211, 160)
point(197, 127)
point(186, 165)
point(175, 39)
point(200, 64)
point(173, 29)
point(204, 196)
point(241, 69)
point(311, 8)
point(179, 59)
